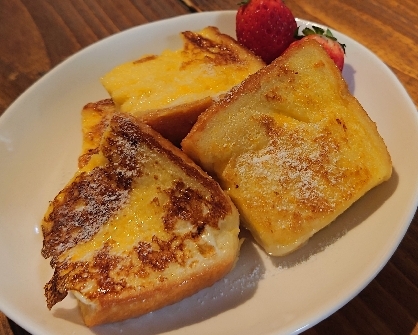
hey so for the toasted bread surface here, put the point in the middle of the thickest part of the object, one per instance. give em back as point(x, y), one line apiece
point(138, 227)
point(292, 147)
point(95, 118)
point(170, 90)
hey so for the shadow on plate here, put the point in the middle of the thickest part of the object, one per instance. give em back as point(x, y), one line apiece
point(348, 74)
point(352, 217)
point(69, 314)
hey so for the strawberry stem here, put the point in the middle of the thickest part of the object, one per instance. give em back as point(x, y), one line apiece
point(318, 31)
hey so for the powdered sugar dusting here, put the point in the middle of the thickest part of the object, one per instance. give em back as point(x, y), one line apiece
point(294, 169)
point(93, 197)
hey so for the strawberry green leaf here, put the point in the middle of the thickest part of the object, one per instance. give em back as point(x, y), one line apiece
point(243, 3)
point(318, 30)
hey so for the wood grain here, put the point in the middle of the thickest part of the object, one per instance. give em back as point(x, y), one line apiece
point(38, 35)
point(5, 328)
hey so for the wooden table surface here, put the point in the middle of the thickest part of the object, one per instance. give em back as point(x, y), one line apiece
point(37, 35)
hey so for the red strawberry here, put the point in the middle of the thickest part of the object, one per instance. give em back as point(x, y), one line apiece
point(334, 49)
point(266, 27)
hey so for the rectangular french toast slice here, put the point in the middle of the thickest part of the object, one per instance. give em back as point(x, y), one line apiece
point(168, 91)
point(292, 147)
point(138, 227)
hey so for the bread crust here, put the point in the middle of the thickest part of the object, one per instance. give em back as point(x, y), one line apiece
point(168, 91)
point(291, 146)
point(183, 228)
point(114, 308)
point(95, 117)
point(174, 123)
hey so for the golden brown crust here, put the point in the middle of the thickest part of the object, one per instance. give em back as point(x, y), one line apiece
point(93, 197)
point(172, 253)
point(174, 123)
point(95, 118)
point(111, 308)
point(292, 147)
point(184, 82)
point(217, 48)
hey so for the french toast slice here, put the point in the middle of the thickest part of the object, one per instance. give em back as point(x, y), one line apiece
point(169, 91)
point(140, 226)
point(292, 147)
point(95, 118)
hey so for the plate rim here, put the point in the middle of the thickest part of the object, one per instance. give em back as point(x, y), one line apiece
point(8, 114)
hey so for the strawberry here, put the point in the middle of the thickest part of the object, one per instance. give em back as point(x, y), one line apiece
point(266, 27)
point(334, 49)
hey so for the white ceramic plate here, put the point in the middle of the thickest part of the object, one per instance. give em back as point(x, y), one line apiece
point(39, 144)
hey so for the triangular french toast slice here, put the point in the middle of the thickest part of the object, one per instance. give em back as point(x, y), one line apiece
point(292, 147)
point(169, 90)
point(138, 227)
